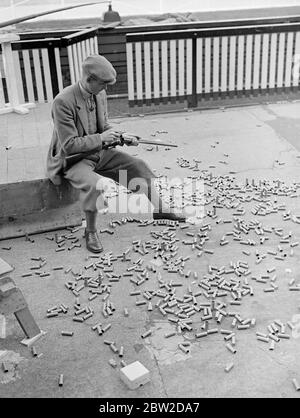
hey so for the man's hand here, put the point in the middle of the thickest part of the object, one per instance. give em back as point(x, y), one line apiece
point(130, 140)
point(110, 136)
point(133, 142)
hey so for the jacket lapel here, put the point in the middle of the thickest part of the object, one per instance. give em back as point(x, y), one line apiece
point(100, 112)
point(81, 109)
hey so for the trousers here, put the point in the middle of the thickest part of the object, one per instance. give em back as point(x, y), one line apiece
point(85, 174)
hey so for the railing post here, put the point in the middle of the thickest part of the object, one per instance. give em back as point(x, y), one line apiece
point(14, 105)
point(53, 69)
point(193, 99)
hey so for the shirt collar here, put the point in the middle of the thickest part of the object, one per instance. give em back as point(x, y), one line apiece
point(86, 95)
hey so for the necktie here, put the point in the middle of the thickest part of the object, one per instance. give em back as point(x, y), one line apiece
point(91, 103)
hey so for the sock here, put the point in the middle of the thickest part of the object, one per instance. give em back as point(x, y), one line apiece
point(91, 219)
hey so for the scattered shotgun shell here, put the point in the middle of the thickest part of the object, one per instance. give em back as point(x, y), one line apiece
point(296, 384)
point(230, 348)
point(61, 380)
point(33, 350)
point(229, 367)
point(67, 333)
point(5, 367)
point(146, 334)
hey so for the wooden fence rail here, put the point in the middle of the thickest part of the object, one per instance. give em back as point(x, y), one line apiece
point(200, 64)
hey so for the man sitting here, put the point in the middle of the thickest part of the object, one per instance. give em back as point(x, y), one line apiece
point(81, 136)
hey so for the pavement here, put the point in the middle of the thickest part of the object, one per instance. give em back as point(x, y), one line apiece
point(260, 143)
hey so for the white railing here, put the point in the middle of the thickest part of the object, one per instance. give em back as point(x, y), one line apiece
point(77, 52)
point(9, 71)
point(31, 71)
point(210, 63)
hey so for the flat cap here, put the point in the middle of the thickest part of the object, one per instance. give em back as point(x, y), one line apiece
point(100, 67)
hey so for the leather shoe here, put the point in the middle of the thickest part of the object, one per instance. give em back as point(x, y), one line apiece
point(169, 215)
point(93, 243)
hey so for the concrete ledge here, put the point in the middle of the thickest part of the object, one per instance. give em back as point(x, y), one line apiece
point(36, 206)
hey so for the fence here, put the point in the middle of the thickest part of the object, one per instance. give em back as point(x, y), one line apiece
point(184, 62)
point(210, 63)
point(39, 74)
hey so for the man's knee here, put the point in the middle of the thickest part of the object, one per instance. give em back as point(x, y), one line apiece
point(142, 169)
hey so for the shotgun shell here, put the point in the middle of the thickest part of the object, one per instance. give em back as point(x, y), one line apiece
point(201, 334)
point(106, 328)
point(259, 338)
point(229, 367)
point(146, 334)
point(77, 319)
point(113, 348)
point(123, 364)
point(121, 351)
point(296, 384)
point(284, 336)
point(61, 380)
point(170, 334)
point(33, 350)
point(272, 345)
point(230, 348)
point(183, 348)
point(67, 333)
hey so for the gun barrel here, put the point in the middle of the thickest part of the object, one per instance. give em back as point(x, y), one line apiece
point(162, 144)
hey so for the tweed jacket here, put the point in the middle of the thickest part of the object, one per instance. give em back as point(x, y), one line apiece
point(70, 131)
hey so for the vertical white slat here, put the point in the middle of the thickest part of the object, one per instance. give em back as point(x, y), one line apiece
point(147, 66)
point(181, 69)
point(71, 64)
point(207, 70)
point(189, 58)
point(2, 101)
point(156, 73)
point(28, 75)
point(296, 67)
point(19, 82)
point(75, 62)
point(47, 74)
point(289, 59)
point(173, 68)
point(232, 52)
point(138, 68)
point(248, 69)
point(2, 75)
point(58, 69)
point(130, 79)
point(91, 45)
point(273, 60)
point(83, 50)
point(216, 58)
point(88, 47)
point(79, 55)
point(265, 55)
point(280, 60)
point(256, 68)
point(224, 63)
point(96, 45)
point(38, 76)
point(85, 46)
point(164, 66)
point(200, 85)
point(240, 63)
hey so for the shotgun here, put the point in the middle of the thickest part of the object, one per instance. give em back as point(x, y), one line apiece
point(131, 139)
point(125, 139)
